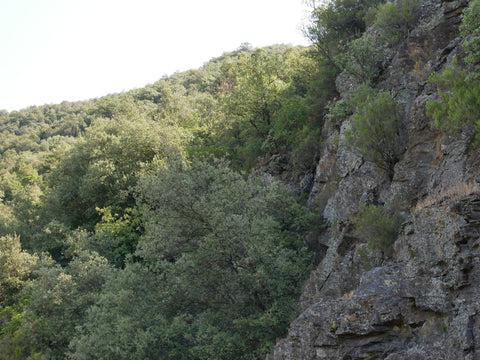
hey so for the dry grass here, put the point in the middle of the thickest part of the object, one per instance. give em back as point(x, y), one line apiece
point(454, 193)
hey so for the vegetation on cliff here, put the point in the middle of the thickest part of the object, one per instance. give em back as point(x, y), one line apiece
point(142, 225)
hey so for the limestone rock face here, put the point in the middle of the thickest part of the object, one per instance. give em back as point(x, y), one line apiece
point(422, 301)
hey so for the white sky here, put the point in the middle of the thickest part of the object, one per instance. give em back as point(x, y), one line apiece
point(55, 50)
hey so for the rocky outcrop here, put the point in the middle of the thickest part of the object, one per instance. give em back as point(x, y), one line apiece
point(423, 301)
point(425, 305)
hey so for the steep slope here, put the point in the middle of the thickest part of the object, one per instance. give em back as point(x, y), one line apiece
point(422, 300)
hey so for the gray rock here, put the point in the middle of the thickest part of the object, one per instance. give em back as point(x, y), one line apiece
point(423, 302)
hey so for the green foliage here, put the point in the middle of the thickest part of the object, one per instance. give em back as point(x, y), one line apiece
point(258, 88)
point(15, 270)
point(116, 236)
point(60, 300)
point(363, 57)
point(263, 96)
point(338, 33)
point(371, 15)
point(375, 130)
point(306, 151)
point(104, 165)
point(127, 321)
point(21, 190)
point(321, 90)
point(14, 343)
point(151, 257)
point(340, 110)
point(379, 227)
point(335, 24)
point(352, 102)
point(458, 106)
point(470, 30)
point(221, 263)
point(362, 96)
point(292, 116)
point(395, 19)
point(16, 278)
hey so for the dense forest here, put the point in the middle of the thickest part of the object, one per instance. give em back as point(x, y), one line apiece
point(164, 223)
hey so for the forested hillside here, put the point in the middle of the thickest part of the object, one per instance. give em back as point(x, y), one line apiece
point(140, 225)
point(172, 221)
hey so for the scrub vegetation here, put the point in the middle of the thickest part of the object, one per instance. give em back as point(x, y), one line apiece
point(140, 225)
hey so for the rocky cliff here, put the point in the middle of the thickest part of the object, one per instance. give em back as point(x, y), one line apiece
point(422, 301)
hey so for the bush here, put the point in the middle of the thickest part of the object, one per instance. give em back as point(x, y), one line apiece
point(346, 106)
point(375, 130)
point(396, 19)
point(456, 111)
point(340, 110)
point(335, 23)
point(378, 227)
point(459, 105)
point(14, 343)
point(307, 148)
point(286, 123)
point(470, 30)
point(363, 58)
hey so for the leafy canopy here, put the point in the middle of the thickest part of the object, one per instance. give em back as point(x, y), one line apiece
point(221, 262)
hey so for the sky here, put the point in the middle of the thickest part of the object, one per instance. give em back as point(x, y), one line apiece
point(70, 50)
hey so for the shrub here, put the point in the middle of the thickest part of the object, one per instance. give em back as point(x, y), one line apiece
point(456, 111)
point(421, 54)
point(370, 16)
point(375, 130)
point(307, 147)
point(458, 106)
point(396, 19)
point(363, 57)
point(470, 30)
point(340, 110)
point(286, 123)
point(377, 226)
point(346, 106)
point(335, 23)
point(361, 96)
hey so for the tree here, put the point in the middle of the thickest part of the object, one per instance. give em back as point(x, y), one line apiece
point(103, 166)
point(258, 89)
point(16, 278)
point(60, 300)
point(16, 268)
point(377, 226)
point(335, 24)
point(116, 236)
point(221, 263)
point(458, 104)
point(259, 85)
point(126, 321)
